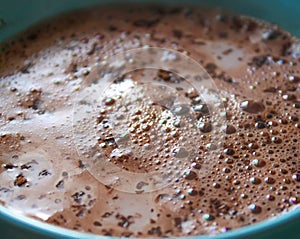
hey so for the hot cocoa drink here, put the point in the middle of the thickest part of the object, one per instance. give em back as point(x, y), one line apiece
point(139, 153)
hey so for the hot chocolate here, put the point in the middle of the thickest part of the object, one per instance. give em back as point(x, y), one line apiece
point(63, 146)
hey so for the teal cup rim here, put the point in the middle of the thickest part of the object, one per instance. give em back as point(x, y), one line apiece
point(47, 229)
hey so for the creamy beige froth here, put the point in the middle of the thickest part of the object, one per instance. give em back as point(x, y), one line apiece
point(50, 174)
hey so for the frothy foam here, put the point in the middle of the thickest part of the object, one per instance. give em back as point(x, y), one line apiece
point(209, 182)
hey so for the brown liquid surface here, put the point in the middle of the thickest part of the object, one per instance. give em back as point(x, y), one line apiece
point(253, 174)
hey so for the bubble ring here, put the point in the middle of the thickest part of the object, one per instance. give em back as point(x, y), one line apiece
point(108, 71)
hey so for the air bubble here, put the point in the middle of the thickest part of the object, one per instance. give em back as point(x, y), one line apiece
point(255, 208)
point(252, 107)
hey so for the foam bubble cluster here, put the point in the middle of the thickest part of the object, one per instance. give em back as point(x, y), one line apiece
point(66, 146)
